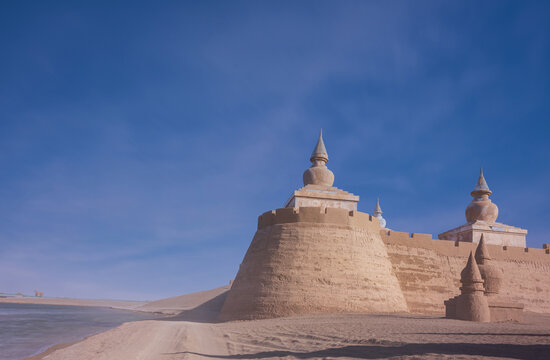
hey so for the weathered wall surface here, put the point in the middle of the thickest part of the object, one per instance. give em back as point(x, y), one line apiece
point(314, 260)
point(429, 271)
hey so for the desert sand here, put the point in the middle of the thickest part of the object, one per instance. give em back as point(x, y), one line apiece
point(194, 334)
point(318, 337)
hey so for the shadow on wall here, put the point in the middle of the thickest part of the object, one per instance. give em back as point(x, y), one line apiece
point(383, 351)
point(206, 312)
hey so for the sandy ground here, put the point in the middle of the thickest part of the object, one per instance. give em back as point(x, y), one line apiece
point(193, 334)
point(318, 337)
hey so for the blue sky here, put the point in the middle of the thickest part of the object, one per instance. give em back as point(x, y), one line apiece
point(139, 143)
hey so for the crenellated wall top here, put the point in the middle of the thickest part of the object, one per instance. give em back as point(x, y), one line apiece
point(463, 249)
point(318, 215)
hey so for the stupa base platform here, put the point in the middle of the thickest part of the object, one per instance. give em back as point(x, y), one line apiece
point(500, 309)
point(494, 234)
point(505, 311)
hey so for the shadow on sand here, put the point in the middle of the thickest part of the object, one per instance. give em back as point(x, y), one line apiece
point(526, 352)
point(480, 334)
point(206, 312)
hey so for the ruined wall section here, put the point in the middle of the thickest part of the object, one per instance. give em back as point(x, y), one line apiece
point(314, 260)
point(428, 271)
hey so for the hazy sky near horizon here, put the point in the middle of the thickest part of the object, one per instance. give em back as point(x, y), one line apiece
point(140, 141)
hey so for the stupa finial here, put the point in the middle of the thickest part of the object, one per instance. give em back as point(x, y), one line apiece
point(481, 187)
point(377, 209)
point(378, 214)
point(320, 151)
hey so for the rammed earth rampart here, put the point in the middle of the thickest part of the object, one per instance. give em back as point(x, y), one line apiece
point(428, 271)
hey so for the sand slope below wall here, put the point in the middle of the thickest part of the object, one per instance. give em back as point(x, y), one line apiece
point(198, 306)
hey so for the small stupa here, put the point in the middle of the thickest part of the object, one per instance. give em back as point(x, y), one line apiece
point(471, 304)
point(481, 215)
point(482, 277)
point(378, 214)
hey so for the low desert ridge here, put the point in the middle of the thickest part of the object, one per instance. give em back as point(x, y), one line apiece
point(115, 304)
point(199, 305)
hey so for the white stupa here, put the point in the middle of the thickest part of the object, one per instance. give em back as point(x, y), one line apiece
point(378, 214)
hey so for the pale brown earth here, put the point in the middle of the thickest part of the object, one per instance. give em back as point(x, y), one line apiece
point(318, 337)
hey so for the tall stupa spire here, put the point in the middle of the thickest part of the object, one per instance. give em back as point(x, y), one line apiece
point(481, 185)
point(318, 173)
point(378, 214)
point(377, 209)
point(320, 151)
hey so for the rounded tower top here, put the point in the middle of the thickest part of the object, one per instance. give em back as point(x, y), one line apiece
point(318, 173)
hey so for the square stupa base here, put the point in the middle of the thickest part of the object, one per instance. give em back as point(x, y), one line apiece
point(493, 233)
point(322, 196)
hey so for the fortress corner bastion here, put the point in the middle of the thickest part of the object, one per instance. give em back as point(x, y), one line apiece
point(316, 255)
point(314, 260)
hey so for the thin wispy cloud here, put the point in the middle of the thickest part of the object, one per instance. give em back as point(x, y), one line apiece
point(138, 145)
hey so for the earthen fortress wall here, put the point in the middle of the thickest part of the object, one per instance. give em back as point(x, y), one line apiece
point(323, 260)
point(428, 271)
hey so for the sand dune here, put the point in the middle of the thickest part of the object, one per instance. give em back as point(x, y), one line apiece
point(198, 306)
point(315, 337)
point(202, 305)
